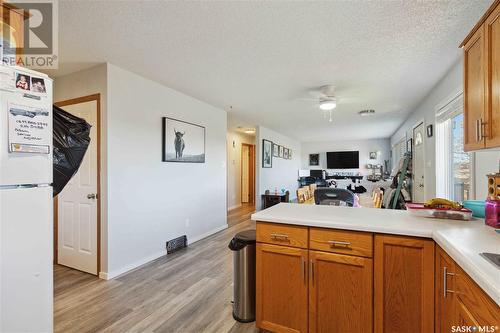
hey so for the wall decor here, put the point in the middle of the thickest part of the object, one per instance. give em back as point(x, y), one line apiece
point(280, 154)
point(285, 153)
point(276, 150)
point(373, 155)
point(289, 154)
point(409, 146)
point(267, 154)
point(313, 159)
point(183, 141)
point(429, 131)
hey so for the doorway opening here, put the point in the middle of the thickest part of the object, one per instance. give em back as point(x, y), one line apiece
point(418, 158)
point(247, 173)
point(77, 209)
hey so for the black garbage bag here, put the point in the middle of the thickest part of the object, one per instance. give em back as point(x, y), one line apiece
point(242, 239)
point(71, 140)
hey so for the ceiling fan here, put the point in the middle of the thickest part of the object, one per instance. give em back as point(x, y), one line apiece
point(327, 101)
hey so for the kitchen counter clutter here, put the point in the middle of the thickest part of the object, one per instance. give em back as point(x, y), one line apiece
point(315, 262)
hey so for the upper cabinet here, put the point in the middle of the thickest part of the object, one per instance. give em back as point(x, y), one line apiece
point(482, 82)
point(492, 56)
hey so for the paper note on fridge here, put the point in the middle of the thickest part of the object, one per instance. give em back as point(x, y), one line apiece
point(29, 129)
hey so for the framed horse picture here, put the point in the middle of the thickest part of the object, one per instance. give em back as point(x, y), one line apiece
point(182, 141)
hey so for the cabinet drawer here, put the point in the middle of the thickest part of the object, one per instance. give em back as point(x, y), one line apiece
point(282, 234)
point(480, 306)
point(341, 241)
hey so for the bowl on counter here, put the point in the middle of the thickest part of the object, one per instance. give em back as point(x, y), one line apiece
point(477, 207)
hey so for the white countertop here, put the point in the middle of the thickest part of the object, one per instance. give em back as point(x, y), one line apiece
point(462, 240)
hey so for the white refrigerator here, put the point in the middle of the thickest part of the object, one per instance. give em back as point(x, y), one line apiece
point(26, 206)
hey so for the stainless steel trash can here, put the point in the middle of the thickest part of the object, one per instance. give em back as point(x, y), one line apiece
point(243, 246)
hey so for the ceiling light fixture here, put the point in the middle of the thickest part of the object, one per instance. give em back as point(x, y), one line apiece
point(367, 112)
point(328, 104)
point(249, 131)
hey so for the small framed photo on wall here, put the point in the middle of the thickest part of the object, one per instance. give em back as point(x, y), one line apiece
point(313, 159)
point(285, 153)
point(430, 131)
point(267, 154)
point(281, 150)
point(276, 150)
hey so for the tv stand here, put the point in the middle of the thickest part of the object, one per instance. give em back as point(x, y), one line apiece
point(353, 178)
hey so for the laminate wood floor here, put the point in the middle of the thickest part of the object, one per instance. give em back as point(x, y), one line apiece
point(240, 214)
point(189, 291)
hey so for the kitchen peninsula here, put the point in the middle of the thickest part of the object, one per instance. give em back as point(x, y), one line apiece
point(326, 269)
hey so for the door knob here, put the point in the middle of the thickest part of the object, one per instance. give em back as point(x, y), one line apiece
point(92, 196)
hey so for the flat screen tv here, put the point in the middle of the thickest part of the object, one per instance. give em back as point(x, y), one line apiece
point(342, 160)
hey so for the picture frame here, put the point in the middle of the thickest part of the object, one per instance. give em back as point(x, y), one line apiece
point(281, 150)
point(409, 146)
point(373, 155)
point(429, 129)
point(289, 154)
point(276, 150)
point(267, 153)
point(285, 153)
point(313, 159)
point(182, 141)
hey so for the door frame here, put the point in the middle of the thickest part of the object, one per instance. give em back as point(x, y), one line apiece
point(418, 123)
point(73, 101)
point(251, 173)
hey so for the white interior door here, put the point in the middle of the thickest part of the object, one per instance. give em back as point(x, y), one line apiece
point(77, 203)
point(418, 164)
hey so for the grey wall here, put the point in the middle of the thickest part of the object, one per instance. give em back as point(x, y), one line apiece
point(284, 173)
point(449, 85)
point(363, 146)
point(145, 201)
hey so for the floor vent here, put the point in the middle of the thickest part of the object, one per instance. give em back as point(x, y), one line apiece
point(176, 244)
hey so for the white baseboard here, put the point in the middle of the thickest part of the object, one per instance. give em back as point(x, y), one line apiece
point(126, 269)
point(206, 234)
point(131, 267)
point(233, 207)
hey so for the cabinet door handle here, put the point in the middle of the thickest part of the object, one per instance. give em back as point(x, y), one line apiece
point(339, 243)
point(445, 282)
point(482, 127)
point(279, 236)
point(478, 134)
point(303, 263)
point(311, 271)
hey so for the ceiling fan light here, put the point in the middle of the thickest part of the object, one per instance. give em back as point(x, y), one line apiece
point(327, 104)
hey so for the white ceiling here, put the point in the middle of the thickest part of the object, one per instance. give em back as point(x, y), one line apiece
point(264, 58)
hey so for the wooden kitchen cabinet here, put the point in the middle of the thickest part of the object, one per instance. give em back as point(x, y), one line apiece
point(482, 82)
point(473, 303)
point(340, 293)
point(474, 92)
point(281, 288)
point(492, 57)
point(458, 299)
point(445, 292)
point(403, 284)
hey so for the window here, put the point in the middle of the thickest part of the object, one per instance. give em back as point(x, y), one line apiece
point(453, 165)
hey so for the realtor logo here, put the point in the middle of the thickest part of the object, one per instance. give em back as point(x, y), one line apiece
point(29, 33)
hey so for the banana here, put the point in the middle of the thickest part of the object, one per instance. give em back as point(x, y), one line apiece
point(442, 203)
